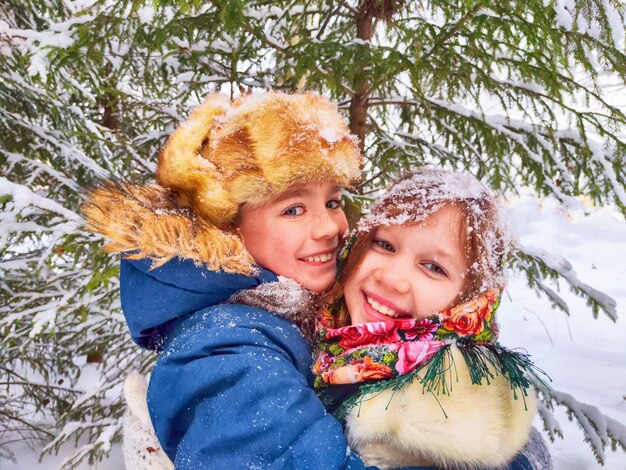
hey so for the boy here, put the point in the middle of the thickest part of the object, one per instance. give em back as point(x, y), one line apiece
point(255, 179)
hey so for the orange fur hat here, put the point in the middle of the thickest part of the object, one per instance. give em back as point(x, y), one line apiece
point(228, 153)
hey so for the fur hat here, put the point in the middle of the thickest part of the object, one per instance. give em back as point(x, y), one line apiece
point(228, 153)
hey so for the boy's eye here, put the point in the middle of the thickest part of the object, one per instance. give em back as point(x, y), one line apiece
point(435, 269)
point(294, 211)
point(385, 245)
point(333, 204)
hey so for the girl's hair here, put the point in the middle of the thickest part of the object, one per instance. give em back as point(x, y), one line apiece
point(413, 199)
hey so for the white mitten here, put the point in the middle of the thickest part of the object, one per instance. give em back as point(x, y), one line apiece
point(141, 447)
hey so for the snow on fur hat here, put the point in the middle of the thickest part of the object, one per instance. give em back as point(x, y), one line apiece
point(228, 153)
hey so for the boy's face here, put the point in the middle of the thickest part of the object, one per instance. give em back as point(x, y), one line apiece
point(409, 271)
point(297, 233)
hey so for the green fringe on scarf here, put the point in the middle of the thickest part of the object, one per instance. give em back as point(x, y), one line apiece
point(481, 361)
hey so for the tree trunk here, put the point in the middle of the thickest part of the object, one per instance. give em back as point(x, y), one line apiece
point(109, 104)
point(358, 105)
point(110, 116)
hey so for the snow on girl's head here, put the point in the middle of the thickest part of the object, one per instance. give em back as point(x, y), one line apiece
point(434, 240)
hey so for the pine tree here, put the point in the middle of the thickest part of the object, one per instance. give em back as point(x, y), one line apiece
point(516, 92)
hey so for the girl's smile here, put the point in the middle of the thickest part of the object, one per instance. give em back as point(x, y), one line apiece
point(376, 306)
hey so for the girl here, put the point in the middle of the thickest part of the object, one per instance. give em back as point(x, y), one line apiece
point(408, 344)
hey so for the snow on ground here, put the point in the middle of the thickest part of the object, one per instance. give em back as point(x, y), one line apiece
point(584, 357)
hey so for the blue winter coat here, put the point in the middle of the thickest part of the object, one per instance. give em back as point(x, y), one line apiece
point(232, 387)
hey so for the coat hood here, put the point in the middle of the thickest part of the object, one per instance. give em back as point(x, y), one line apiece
point(154, 300)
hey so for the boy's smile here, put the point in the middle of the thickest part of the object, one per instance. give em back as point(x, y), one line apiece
point(320, 258)
point(297, 233)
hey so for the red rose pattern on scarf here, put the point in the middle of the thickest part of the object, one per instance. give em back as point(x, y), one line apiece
point(384, 350)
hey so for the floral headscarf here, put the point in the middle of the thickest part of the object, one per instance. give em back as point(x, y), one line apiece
point(384, 350)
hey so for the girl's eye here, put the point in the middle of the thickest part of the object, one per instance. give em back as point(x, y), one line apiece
point(435, 269)
point(294, 211)
point(385, 245)
point(333, 204)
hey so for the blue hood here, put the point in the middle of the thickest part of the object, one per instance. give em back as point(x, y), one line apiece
point(153, 299)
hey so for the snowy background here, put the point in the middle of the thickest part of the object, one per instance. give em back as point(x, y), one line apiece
point(585, 357)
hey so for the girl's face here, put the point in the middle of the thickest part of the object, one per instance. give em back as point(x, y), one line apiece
point(409, 271)
point(297, 233)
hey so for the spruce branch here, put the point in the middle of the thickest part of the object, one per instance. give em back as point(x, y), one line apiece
point(454, 28)
point(538, 264)
point(599, 431)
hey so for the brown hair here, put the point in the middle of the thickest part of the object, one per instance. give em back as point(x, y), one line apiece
point(414, 198)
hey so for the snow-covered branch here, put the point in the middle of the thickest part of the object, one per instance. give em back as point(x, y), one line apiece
point(599, 431)
point(560, 267)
